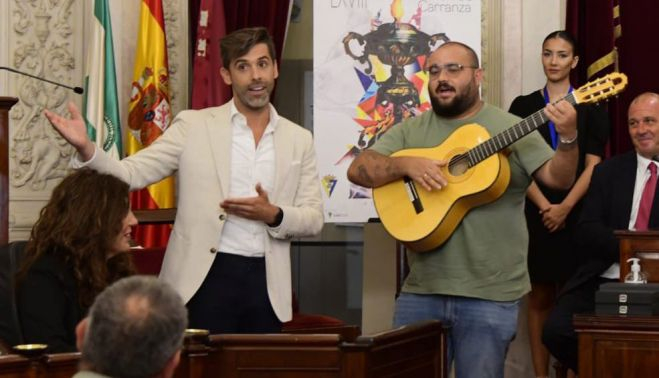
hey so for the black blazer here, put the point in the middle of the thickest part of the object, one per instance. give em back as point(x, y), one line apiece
point(607, 207)
point(48, 305)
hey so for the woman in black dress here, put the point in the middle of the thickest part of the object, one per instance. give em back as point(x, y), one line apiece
point(552, 214)
point(76, 248)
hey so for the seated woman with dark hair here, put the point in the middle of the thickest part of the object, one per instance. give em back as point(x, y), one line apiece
point(75, 250)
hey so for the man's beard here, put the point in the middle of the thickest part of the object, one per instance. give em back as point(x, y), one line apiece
point(255, 103)
point(459, 104)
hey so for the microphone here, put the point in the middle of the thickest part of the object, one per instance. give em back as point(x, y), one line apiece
point(77, 90)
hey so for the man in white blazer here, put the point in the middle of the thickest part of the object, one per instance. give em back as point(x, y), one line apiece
point(247, 185)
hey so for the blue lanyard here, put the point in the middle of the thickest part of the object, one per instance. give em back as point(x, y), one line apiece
point(552, 127)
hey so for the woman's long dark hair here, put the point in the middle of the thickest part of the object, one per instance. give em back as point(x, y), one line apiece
point(80, 225)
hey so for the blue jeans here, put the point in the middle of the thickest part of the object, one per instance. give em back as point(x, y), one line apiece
point(480, 330)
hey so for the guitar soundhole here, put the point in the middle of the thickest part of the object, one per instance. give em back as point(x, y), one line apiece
point(458, 165)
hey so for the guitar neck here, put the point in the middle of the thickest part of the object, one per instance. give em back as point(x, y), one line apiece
point(511, 135)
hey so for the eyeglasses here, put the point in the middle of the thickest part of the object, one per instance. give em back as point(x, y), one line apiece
point(452, 69)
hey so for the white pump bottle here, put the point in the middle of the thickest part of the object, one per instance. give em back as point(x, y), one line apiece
point(635, 276)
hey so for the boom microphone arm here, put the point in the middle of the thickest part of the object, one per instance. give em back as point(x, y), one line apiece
point(77, 90)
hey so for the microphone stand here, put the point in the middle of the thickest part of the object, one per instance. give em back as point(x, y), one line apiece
point(77, 90)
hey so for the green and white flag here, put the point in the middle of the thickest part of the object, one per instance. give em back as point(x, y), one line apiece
point(100, 103)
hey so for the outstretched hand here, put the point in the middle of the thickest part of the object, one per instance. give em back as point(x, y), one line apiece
point(73, 130)
point(256, 208)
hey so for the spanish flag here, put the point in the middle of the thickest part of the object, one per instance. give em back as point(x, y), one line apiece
point(149, 115)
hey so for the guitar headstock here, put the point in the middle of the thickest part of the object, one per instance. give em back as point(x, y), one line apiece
point(600, 89)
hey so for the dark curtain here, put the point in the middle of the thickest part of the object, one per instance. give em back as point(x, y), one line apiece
point(592, 22)
point(593, 26)
point(638, 53)
point(271, 14)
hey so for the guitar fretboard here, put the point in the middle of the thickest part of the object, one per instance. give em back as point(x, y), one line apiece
point(511, 135)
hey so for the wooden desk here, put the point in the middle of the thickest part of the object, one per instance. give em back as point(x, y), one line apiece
point(617, 346)
point(62, 365)
point(414, 351)
point(641, 244)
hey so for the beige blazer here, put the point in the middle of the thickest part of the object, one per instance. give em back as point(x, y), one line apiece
point(198, 146)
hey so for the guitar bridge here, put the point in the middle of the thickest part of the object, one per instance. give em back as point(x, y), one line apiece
point(413, 195)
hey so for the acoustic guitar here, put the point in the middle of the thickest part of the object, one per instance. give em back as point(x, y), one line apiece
point(477, 172)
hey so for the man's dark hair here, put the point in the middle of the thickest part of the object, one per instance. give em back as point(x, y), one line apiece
point(135, 327)
point(239, 42)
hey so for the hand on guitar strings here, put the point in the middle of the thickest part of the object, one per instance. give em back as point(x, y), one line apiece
point(564, 116)
point(425, 172)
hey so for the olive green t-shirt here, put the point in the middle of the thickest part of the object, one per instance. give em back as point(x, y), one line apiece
point(486, 255)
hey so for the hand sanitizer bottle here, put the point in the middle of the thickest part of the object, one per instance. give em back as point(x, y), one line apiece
point(635, 276)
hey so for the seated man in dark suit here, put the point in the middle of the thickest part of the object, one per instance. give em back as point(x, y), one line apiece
point(615, 201)
point(135, 328)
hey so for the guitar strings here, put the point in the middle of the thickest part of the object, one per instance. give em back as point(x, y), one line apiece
point(538, 119)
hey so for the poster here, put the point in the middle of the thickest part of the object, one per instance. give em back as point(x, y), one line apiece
point(369, 75)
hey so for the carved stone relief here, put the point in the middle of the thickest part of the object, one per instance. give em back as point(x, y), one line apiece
point(176, 30)
point(42, 33)
point(46, 38)
point(42, 47)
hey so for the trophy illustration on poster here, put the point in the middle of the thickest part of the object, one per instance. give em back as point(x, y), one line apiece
point(392, 95)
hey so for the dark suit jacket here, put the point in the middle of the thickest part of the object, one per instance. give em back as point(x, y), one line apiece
point(607, 207)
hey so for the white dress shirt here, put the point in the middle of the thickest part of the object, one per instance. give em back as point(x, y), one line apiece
point(642, 176)
point(250, 164)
